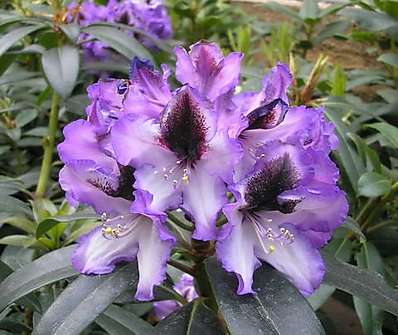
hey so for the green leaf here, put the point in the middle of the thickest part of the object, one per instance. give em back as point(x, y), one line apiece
point(193, 319)
point(338, 81)
point(277, 307)
point(332, 29)
point(370, 316)
point(373, 21)
point(15, 35)
point(388, 131)
point(389, 58)
point(71, 30)
point(61, 67)
point(10, 204)
point(18, 241)
point(365, 284)
point(284, 10)
point(373, 184)
point(309, 10)
point(45, 225)
point(83, 300)
point(45, 270)
point(117, 321)
point(348, 158)
point(117, 39)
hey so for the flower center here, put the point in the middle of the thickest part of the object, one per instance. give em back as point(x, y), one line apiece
point(183, 127)
point(122, 188)
point(264, 187)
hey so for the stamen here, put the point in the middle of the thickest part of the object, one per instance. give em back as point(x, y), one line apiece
point(118, 226)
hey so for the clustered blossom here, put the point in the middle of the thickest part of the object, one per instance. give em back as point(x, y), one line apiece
point(151, 17)
point(146, 149)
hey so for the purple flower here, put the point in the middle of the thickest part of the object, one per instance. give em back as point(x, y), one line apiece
point(183, 159)
point(286, 208)
point(185, 287)
point(206, 69)
point(91, 176)
point(151, 17)
point(146, 149)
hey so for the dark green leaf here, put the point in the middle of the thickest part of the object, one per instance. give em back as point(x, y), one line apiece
point(373, 21)
point(117, 321)
point(285, 10)
point(72, 30)
point(119, 40)
point(388, 131)
point(372, 184)
point(389, 59)
point(45, 225)
point(61, 67)
point(277, 307)
point(370, 316)
point(14, 36)
point(309, 10)
point(193, 319)
point(83, 300)
point(47, 269)
point(365, 284)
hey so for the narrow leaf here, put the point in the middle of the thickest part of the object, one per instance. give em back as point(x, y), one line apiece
point(61, 67)
point(83, 300)
point(365, 284)
point(14, 36)
point(192, 319)
point(276, 308)
point(45, 270)
point(116, 320)
point(372, 184)
point(119, 40)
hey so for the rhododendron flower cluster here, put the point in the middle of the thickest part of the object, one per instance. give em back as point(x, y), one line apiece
point(147, 148)
point(151, 17)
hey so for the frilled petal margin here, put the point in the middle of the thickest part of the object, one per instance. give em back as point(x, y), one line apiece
point(247, 242)
point(96, 254)
point(81, 134)
point(75, 181)
point(207, 70)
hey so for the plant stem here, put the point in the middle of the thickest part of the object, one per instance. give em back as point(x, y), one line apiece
point(379, 205)
point(49, 144)
point(180, 223)
point(182, 267)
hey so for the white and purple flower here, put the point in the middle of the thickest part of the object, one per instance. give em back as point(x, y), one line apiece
point(146, 149)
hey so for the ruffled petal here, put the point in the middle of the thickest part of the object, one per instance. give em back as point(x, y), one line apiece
point(203, 198)
point(75, 181)
point(236, 249)
point(205, 69)
point(136, 141)
point(81, 134)
point(107, 98)
point(322, 208)
point(152, 256)
point(301, 263)
point(96, 254)
point(276, 84)
point(149, 91)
